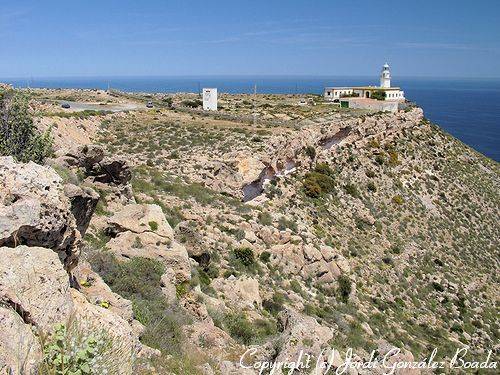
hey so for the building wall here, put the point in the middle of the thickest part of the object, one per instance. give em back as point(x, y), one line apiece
point(332, 94)
point(376, 105)
point(210, 99)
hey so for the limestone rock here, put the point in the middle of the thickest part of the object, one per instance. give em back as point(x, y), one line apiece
point(241, 293)
point(34, 210)
point(20, 351)
point(34, 283)
point(97, 291)
point(140, 218)
point(83, 203)
point(300, 332)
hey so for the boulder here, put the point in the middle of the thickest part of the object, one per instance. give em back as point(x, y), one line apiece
point(301, 333)
point(112, 170)
point(83, 202)
point(34, 210)
point(241, 293)
point(85, 156)
point(141, 218)
point(20, 350)
point(97, 291)
point(127, 245)
point(34, 284)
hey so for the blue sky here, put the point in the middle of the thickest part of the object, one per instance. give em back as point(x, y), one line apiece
point(274, 37)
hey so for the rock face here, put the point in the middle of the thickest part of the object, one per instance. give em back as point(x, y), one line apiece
point(34, 284)
point(83, 203)
point(141, 218)
point(141, 230)
point(35, 290)
point(93, 162)
point(34, 210)
point(299, 333)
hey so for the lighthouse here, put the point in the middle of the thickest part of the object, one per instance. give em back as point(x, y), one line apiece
point(385, 76)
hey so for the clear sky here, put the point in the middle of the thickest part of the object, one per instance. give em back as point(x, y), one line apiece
point(253, 37)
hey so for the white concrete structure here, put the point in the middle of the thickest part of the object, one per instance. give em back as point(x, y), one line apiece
point(390, 93)
point(210, 99)
point(385, 76)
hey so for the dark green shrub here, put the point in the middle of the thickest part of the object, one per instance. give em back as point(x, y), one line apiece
point(378, 95)
point(344, 288)
point(325, 169)
point(245, 255)
point(265, 256)
point(139, 281)
point(265, 218)
point(379, 159)
point(352, 190)
point(310, 151)
point(19, 136)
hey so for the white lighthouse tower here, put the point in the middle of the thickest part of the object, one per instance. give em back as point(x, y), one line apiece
point(385, 76)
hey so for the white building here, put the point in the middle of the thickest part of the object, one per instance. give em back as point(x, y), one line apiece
point(391, 93)
point(210, 99)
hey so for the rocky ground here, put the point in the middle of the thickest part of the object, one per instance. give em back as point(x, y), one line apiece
point(277, 224)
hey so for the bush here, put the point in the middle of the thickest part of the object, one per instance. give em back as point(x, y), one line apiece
point(139, 281)
point(284, 223)
point(274, 305)
point(265, 218)
point(371, 186)
point(70, 349)
point(245, 255)
point(19, 136)
point(192, 103)
point(378, 95)
point(265, 256)
point(246, 332)
point(310, 151)
point(352, 190)
point(398, 199)
point(153, 225)
point(344, 288)
point(317, 184)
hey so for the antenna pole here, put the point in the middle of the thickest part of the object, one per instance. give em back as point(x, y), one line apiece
point(254, 99)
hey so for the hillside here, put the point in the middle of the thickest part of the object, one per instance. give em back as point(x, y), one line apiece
point(306, 228)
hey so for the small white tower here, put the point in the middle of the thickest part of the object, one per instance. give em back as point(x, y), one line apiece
point(385, 76)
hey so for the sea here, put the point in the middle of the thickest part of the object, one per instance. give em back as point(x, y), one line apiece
point(469, 109)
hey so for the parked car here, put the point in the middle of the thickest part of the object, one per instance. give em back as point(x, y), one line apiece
point(65, 105)
point(149, 105)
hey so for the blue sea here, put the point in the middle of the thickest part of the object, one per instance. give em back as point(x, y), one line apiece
point(467, 108)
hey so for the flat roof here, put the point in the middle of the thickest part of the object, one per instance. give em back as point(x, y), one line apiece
point(363, 88)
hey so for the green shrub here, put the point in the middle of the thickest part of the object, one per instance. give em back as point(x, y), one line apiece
point(371, 186)
point(265, 218)
point(284, 223)
point(19, 136)
point(246, 332)
point(398, 199)
point(265, 256)
point(275, 304)
point(153, 225)
point(320, 181)
point(245, 255)
point(379, 159)
point(352, 190)
point(378, 95)
point(139, 280)
point(344, 288)
point(310, 151)
point(192, 103)
point(70, 349)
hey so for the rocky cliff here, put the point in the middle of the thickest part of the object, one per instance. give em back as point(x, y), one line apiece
point(203, 242)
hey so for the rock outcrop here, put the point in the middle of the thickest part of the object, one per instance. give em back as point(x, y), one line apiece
point(34, 210)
